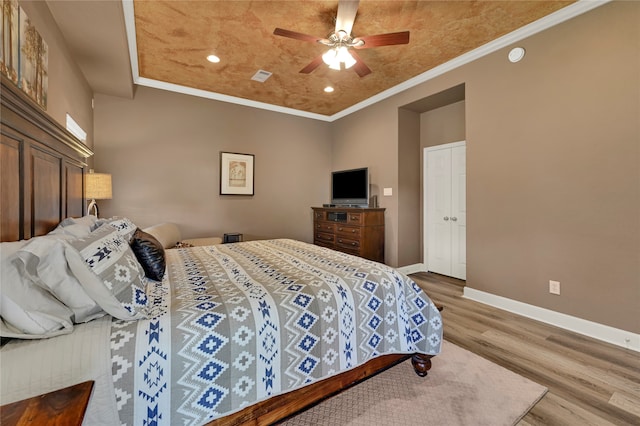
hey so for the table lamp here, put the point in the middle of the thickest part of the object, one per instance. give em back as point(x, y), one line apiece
point(97, 187)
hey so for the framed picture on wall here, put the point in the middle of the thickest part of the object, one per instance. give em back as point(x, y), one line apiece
point(10, 48)
point(34, 61)
point(236, 173)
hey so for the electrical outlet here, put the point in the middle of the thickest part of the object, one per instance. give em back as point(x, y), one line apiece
point(554, 287)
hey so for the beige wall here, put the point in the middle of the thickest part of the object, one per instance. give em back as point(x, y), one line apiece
point(553, 184)
point(163, 150)
point(68, 91)
point(409, 213)
point(552, 154)
point(443, 125)
point(554, 169)
point(368, 138)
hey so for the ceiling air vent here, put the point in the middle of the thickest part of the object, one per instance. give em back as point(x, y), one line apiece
point(261, 76)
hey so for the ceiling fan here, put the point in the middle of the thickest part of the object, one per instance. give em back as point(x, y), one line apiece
point(341, 43)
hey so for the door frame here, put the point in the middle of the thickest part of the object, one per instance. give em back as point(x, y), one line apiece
point(425, 219)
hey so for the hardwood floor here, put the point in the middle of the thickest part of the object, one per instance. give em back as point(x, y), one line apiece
point(590, 382)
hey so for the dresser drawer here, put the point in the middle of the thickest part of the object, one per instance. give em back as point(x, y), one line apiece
point(324, 237)
point(325, 227)
point(348, 231)
point(355, 218)
point(356, 231)
point(324, 244)
point(348, 243)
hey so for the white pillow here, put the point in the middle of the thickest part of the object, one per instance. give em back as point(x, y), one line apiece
point(27, 310)
point(45, 263)
point(166, 233)
point(108, 270)
point(76, 227)
point(88, 220)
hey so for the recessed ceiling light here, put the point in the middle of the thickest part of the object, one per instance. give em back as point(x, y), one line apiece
point(213, 58)
point(328, 89)
point(516, 54)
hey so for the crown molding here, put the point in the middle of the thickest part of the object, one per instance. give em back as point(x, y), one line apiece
point(558, 17)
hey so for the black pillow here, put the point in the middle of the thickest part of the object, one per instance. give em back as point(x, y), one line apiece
point(149, 253)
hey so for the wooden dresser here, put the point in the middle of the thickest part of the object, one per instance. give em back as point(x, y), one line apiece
point(358, 231)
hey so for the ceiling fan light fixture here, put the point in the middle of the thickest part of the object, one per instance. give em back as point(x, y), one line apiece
point(338, 55)
point(330, 56)
point(345, 57)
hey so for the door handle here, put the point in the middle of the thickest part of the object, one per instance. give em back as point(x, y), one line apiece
point(446, 218)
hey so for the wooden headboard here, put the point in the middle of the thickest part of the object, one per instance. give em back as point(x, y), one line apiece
point(42, 168)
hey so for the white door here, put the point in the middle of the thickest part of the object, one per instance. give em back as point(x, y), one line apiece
point(445, 209)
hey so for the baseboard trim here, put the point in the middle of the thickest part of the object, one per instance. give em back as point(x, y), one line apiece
point(412, 269)
point(615, 336)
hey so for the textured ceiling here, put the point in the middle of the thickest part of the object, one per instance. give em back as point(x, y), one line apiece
point(174, 37)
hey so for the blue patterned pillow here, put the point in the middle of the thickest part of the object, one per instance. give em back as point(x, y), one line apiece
point(124, 226)
point(108, 270)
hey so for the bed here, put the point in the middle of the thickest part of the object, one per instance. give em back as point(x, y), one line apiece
point(248, 332)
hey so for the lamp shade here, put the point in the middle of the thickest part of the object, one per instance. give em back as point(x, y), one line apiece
point(98, 186)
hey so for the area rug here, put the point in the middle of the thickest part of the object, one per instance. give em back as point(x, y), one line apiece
point(461, 389)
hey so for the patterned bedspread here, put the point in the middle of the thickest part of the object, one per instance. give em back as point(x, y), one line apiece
point(238, 323)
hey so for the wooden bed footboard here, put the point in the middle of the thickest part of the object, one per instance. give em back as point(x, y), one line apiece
point(281, 407)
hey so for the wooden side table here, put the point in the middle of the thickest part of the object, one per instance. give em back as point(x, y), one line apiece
point(62, 407)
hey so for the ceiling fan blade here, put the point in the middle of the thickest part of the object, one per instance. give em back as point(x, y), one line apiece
point(312, 65)
point(295, 35)
point(347, 10)
point(360, 67)
point(383, 40)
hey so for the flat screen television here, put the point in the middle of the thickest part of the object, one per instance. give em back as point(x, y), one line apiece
point(350, 187)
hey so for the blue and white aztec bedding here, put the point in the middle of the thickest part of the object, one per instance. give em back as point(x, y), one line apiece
point(247, 321)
